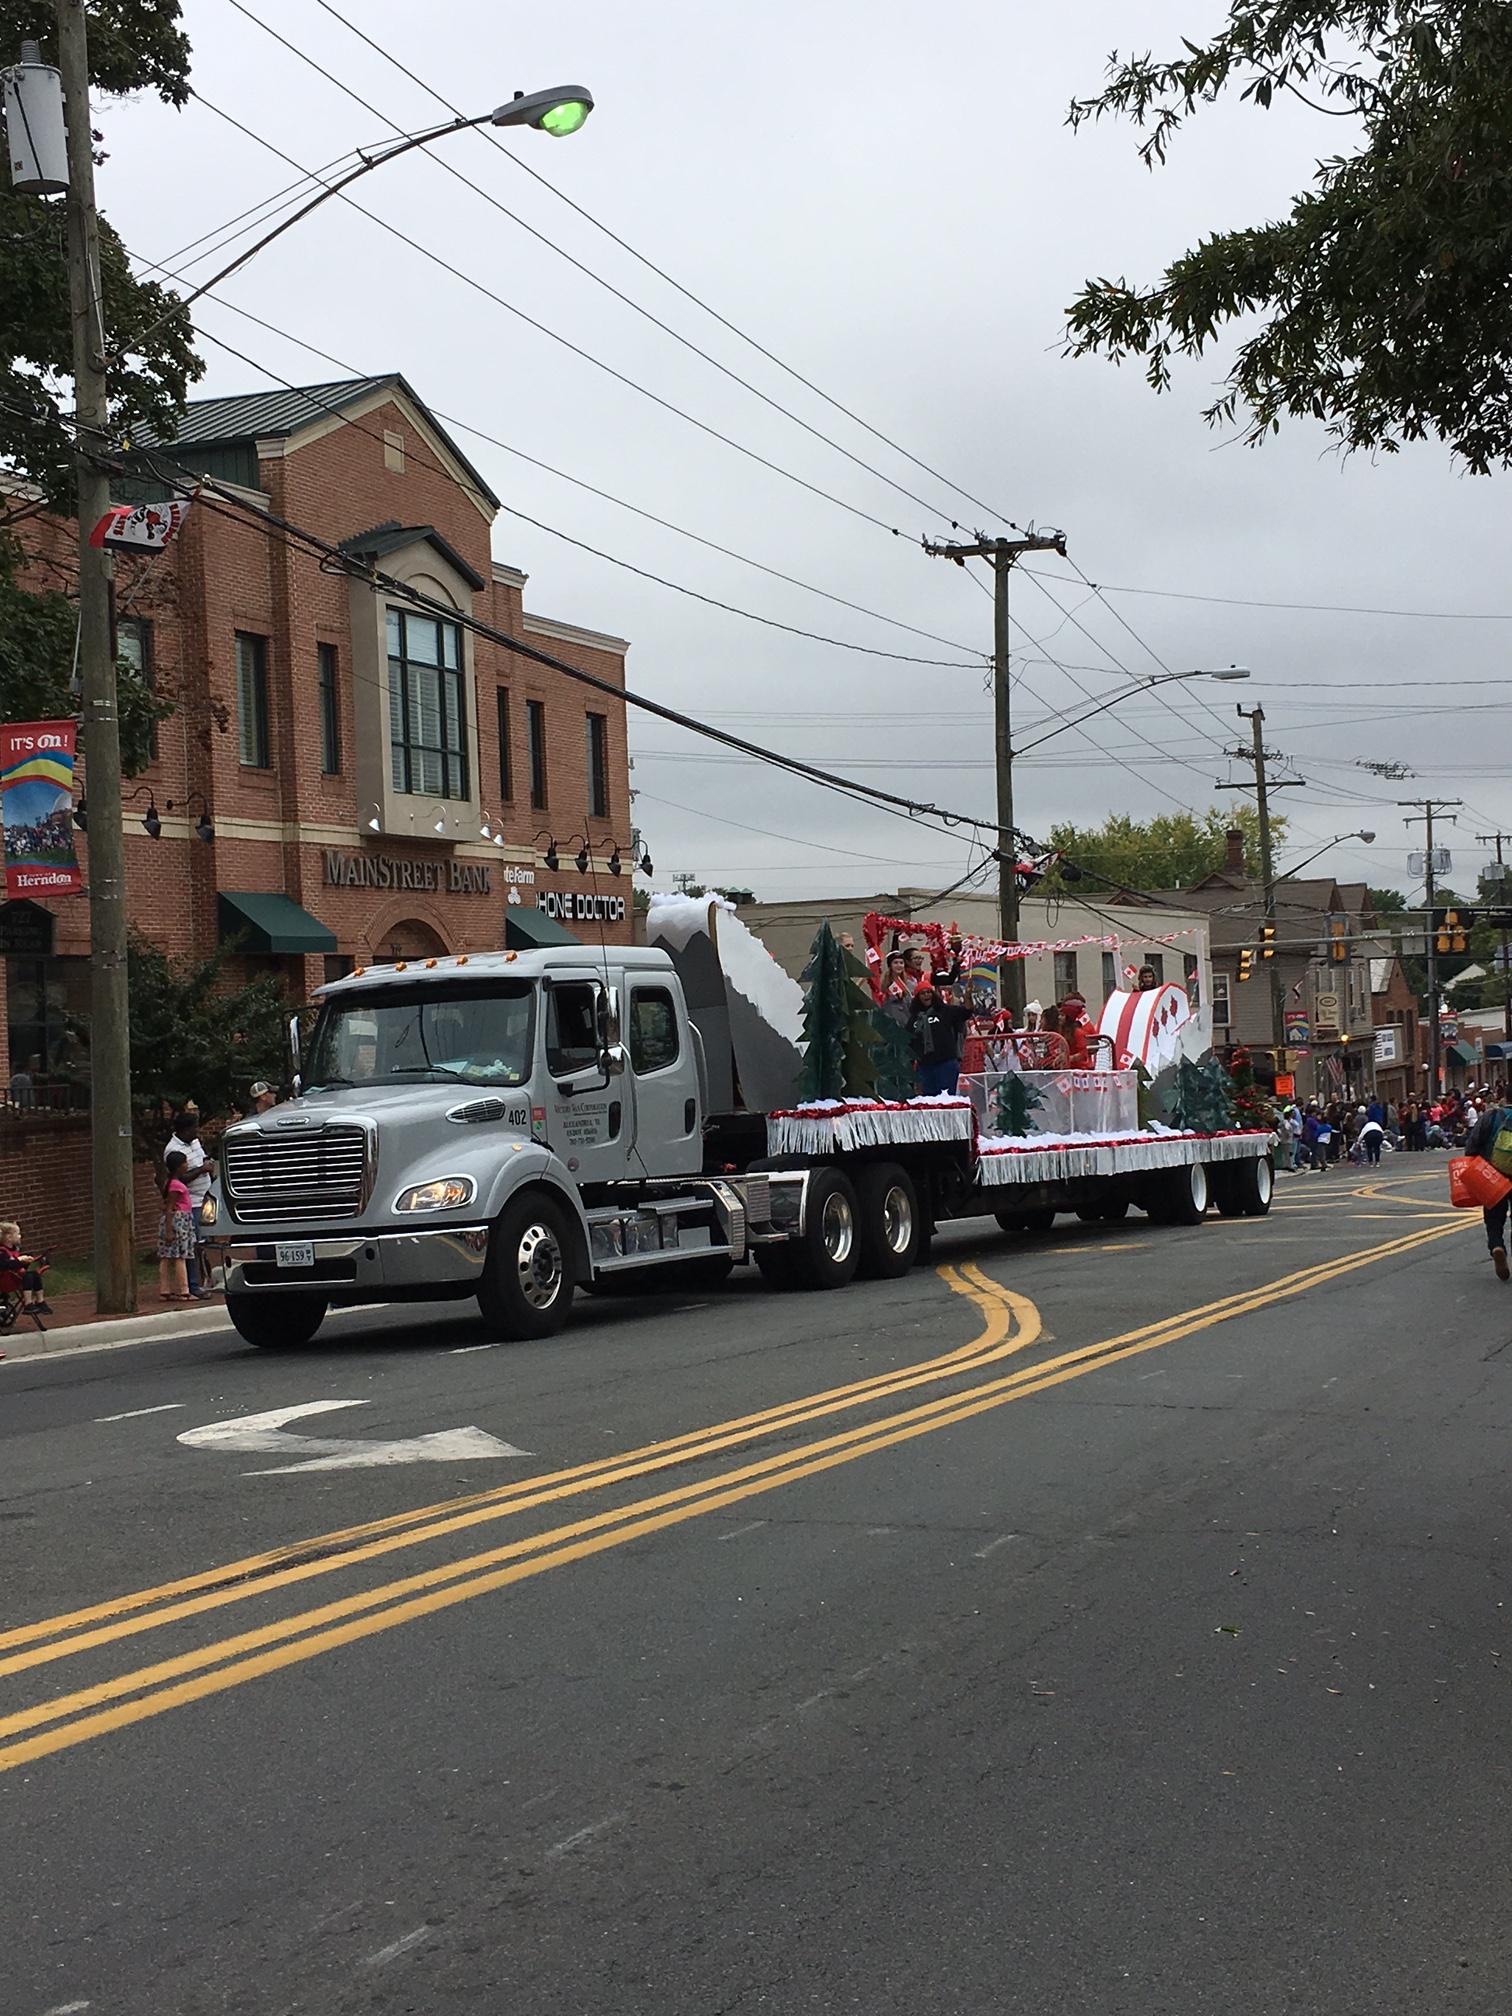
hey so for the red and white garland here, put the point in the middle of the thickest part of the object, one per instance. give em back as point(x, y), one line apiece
point(1055, 1158)
point(823, 1125)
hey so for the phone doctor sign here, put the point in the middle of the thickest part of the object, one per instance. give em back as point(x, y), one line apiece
point(36, 807)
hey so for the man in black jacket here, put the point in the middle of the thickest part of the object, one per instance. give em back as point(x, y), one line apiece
point(935, 1028)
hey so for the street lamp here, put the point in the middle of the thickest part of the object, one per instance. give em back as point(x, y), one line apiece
point(1226, 672)
point(558, 111)
point(1368, 838)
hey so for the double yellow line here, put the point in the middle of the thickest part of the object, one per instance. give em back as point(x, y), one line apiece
point(1010, 1324)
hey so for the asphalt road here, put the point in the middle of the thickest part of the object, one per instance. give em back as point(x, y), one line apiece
point(1105, 1622)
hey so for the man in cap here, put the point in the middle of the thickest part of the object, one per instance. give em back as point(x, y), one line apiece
point(263, 1096)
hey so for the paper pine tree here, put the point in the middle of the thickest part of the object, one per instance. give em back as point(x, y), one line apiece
point(893, 1057)
point(860, 1065)
point(839, 1038)
point(1017, 1099)
point(1204, 1096)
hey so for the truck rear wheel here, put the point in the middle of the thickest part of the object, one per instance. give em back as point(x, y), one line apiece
point(277, 1322)
point(1252, 1184)
point(889, 1220)
point(1187, 1195)
point(526, 1288)
point(827, 1252)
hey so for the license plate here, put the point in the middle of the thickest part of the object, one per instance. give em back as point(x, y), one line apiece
point(294, 1256)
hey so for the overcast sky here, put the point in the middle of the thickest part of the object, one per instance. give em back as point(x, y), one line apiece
point(896, 208)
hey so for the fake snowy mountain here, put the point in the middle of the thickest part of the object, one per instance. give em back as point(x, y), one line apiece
point(746, 1009)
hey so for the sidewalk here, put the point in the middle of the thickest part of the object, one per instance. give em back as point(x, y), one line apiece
point(75, 1326)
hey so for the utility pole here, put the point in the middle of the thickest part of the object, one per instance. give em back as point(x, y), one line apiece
point(1003, 553)
point(1426, 808)
point(1258, 755)
point(109, 1043)
point(1496, 840)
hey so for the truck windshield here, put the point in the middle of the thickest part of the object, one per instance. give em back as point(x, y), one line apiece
point(480, 1032)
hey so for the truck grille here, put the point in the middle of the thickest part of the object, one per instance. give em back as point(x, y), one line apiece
point(310, 1176)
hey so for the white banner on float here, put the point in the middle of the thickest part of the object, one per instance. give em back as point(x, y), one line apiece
point(1069, 1101)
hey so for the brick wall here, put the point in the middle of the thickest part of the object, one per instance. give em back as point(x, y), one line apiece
point(275, 826)
point(44, 1184)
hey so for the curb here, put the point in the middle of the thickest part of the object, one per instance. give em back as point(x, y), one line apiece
point(77, 1338)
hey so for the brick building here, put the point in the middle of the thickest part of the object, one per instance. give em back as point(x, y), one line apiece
point(381, 782)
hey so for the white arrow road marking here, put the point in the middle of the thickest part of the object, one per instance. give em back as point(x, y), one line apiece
point(262, 1432)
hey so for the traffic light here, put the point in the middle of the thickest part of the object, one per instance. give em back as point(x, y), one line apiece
point(1246, 961)
point(1338, 939)
point(1267, 941)
point(1449, 929)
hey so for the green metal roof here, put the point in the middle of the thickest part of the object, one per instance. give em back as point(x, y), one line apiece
point(254, 416)
point(267, 922)
point(532, 931)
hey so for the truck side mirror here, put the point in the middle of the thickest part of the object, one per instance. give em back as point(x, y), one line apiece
point(294, 1052)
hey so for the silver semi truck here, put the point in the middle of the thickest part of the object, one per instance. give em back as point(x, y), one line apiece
point(513, 1126)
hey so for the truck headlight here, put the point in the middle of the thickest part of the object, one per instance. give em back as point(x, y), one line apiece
point(444, 1194)
point(207, 1211)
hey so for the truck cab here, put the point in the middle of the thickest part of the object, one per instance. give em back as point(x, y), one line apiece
point(504, 1125)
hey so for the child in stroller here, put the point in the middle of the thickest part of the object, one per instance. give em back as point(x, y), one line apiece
point(20, 1280)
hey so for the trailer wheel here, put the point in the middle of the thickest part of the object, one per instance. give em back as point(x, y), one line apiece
point(1252, 1185)
point(889, 1222)
point(829, 1250)
point(1186, 1196)
point(526, 1288)
point(1040, 1220)
point(277, 1322)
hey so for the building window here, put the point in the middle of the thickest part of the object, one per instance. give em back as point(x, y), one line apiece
point(506, 764)
point(1191, 967)
point(427, 706)
point(535, 737)
point(252, 700)
point(337, 966)
point(134, 651)
point(1110, 973)
point(330, 711)
point(1065, 975)
point(393, 451)
point(1156, 963)
point(597, 750)
point(1222, 1013)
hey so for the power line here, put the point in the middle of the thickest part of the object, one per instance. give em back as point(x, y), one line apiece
point(588, 272)
point(661, 580)
point(535, 462)
point(661, 274)
point(556, 336)
point(234, 505)
point(1309, 608)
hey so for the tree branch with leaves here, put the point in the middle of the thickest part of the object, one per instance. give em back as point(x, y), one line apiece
point(1382, 296)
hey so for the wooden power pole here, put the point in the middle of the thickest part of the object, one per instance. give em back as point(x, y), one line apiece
point(1003, 553)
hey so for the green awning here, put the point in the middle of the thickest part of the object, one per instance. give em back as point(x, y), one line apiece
point(1464, 1053)
point(534, 931)
point(265, 922)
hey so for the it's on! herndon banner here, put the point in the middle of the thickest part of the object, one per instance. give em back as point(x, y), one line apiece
point(36, 807)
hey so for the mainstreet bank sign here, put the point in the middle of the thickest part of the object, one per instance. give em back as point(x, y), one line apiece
point(388, 871)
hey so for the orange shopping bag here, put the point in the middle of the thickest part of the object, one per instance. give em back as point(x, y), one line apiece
point(1474, 1185)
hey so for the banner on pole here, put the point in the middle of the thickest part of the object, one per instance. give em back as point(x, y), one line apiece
point(36, 808)
point(140, 528)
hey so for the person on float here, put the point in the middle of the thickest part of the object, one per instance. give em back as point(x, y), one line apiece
point(936, 1028)
point(1077, 1031)
point(1148, 980)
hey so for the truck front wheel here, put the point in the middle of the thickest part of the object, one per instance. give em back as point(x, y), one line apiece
point(827, 1252)
point(277, 1322)
point(526, 1288)
point(889, 1220)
